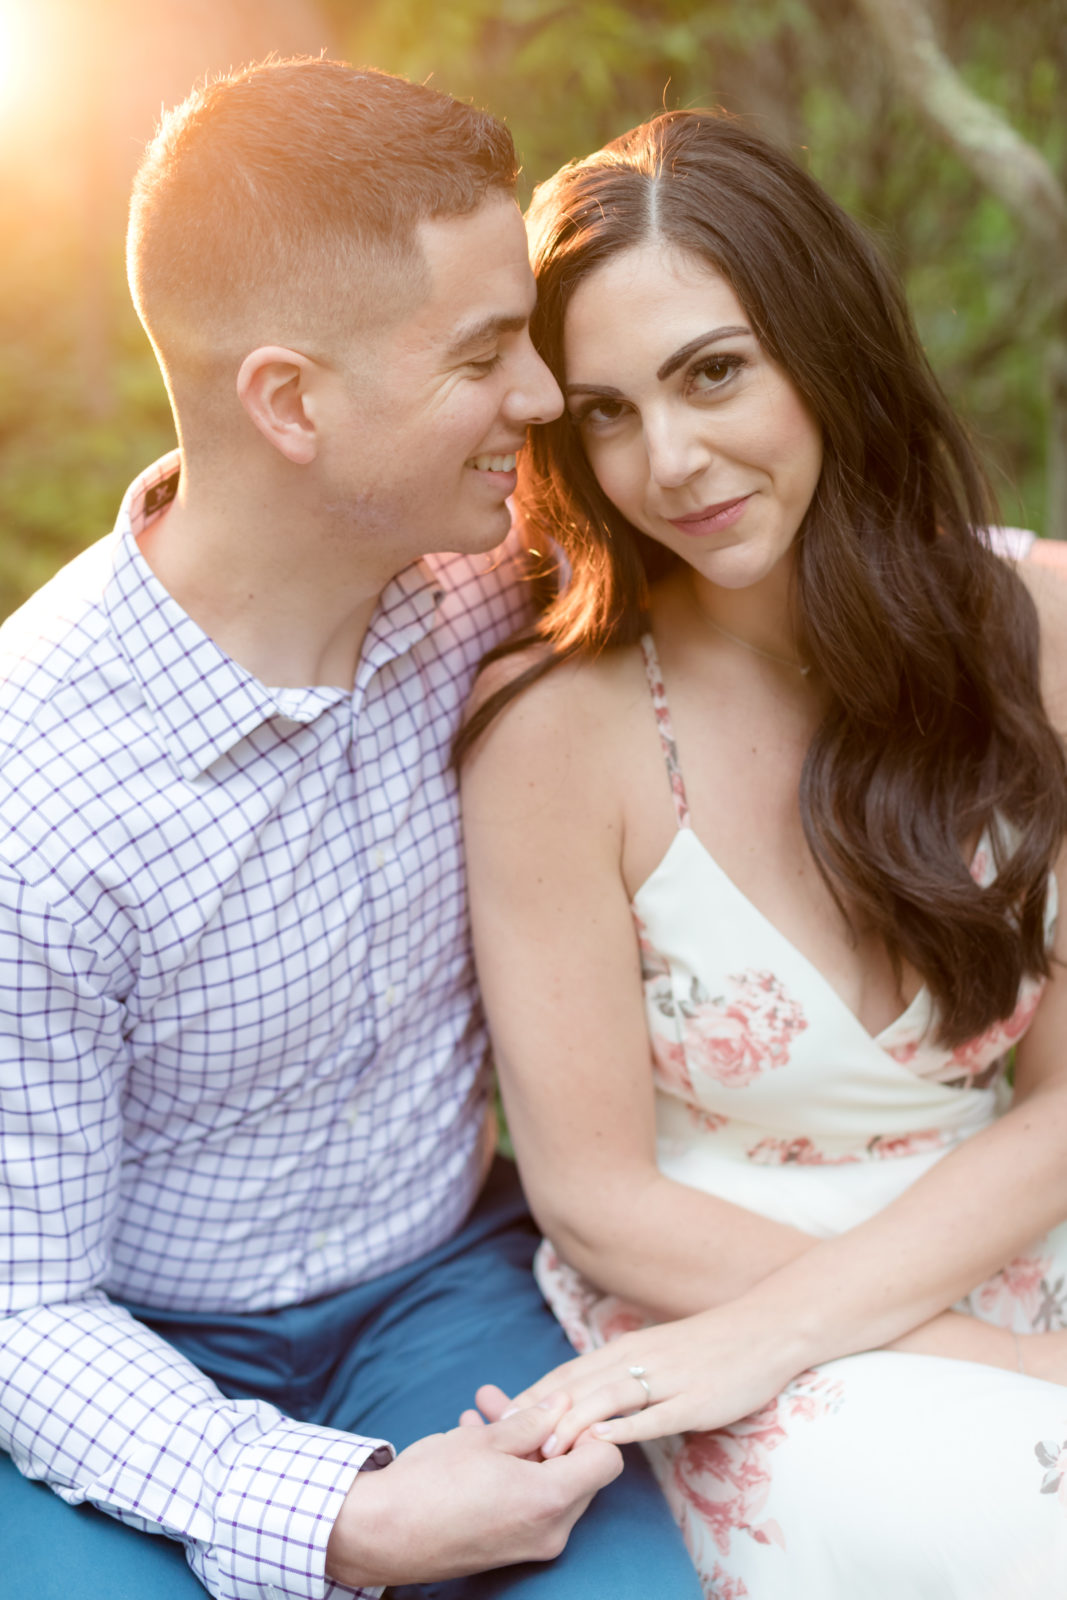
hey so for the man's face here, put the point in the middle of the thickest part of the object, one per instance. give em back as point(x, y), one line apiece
point(419, 453)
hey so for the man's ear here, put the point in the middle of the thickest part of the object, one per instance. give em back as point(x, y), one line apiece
point(274, 385)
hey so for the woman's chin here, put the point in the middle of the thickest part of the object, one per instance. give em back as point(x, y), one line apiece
point(736, 567)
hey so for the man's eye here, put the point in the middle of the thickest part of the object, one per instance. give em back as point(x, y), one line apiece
point(483, 368)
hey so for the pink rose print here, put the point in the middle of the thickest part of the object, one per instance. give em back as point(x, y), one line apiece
point(735, 1037)
point(803, 1152)
point(588, 1318)
point(731, 1038)
point(666, 731)
point(706, 1121)
point(723, 1587)
point(572, 1299)
point(811, 1396)
point(672, 1071)
point(724, 1045)
point(611, 1317)
point(968, 1061)
point(786, 1152)
point(1023, 1295)
point(725, 1477)
point(653, 966)
point(668, 1052)
point(890, 1145)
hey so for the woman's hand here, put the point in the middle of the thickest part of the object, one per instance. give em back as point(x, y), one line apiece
point(702, 1372)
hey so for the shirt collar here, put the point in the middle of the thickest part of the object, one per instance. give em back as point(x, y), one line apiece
point(205, 702)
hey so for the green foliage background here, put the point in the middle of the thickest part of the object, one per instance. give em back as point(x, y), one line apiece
point(81, 405)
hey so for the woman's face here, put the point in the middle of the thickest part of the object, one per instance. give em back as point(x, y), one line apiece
point(693, 432)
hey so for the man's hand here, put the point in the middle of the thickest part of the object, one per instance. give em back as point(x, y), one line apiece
point(462, 1502)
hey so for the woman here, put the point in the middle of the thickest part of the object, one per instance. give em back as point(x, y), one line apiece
point(763, 859)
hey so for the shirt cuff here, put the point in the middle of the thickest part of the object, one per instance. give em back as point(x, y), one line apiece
point(277, 1511)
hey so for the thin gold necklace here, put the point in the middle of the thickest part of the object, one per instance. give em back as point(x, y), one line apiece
point(768, 655)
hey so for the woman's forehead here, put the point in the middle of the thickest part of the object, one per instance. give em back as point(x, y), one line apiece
point(651, 299)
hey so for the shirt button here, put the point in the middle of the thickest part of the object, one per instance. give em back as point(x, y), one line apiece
point(379, 857)
point(352, 1115)
point(321, 1240)
point(390, 995)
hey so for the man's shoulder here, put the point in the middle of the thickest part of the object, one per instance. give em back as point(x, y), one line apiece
point(63, 682)
point(55, 635)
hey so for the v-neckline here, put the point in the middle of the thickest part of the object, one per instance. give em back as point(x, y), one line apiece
point(920, 995)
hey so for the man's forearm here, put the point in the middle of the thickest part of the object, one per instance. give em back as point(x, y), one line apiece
point(104, 1410)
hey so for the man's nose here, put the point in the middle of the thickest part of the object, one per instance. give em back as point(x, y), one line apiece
point(536, 397)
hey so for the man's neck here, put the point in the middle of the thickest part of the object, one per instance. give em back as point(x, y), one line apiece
point(283, 605)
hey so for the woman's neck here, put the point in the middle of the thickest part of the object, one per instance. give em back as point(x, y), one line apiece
point(760, 618)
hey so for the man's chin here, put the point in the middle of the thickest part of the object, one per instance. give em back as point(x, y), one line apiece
point(482, 535)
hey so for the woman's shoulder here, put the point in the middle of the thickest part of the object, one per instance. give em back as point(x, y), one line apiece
point(569, 717)
point(583, 686)
point(1045, 576)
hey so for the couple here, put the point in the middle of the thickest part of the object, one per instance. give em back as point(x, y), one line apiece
point(259, 1254)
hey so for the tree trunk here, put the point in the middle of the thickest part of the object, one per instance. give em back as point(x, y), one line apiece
point(1014, 171)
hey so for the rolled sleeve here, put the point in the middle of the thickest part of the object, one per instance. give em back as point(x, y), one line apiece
point(274, 1543)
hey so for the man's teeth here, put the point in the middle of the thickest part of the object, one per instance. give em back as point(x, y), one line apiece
point(494, 463)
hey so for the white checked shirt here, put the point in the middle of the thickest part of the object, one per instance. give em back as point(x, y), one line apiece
point(240, 1050)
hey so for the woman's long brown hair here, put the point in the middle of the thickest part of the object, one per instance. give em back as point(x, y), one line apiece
point(926, 641)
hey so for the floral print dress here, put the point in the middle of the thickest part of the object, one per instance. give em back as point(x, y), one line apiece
point(882, 1476)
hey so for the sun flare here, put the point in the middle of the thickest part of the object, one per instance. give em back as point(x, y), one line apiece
point(14, 49)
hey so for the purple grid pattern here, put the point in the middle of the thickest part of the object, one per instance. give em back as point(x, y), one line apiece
point(240, 1049)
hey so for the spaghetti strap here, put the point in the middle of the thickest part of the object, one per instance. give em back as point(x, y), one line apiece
point(666, 731)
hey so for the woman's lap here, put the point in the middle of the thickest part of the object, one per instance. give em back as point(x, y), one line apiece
point(883, 1476)
point(880, 1477)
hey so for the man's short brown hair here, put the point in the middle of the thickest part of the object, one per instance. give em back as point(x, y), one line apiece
point(269, 189)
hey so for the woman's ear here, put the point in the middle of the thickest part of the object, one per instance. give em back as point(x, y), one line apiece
point(273, 386)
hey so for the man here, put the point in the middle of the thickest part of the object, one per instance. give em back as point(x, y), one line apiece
point(242, 1095)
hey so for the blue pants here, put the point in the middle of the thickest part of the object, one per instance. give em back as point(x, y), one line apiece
point(396, 1359)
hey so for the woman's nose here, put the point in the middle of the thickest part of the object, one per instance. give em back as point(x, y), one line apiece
point(676, 450)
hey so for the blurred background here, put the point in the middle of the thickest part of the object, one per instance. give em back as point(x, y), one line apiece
point(82, 82)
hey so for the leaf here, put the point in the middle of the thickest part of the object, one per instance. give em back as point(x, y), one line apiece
point(1051, 1482)
point(1047, 1452)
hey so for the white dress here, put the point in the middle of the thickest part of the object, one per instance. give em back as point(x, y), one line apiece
point(880, 1476)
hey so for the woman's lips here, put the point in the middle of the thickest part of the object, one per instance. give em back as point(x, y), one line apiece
point(721, 515)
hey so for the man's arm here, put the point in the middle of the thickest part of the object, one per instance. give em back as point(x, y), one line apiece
point(101, 1408)
point(91, 1401)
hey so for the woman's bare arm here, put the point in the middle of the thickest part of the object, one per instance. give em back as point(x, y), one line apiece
point(560, 972)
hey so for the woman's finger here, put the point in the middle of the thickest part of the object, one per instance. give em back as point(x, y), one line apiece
point(654, 1422)
point(615, 1397)
point(560, 1378)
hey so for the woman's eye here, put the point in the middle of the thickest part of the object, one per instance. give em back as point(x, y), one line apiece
point(714, 371)
point(599, 413)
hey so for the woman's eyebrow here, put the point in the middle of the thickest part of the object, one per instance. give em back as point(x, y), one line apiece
point(604, 389)
point(680, 357)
